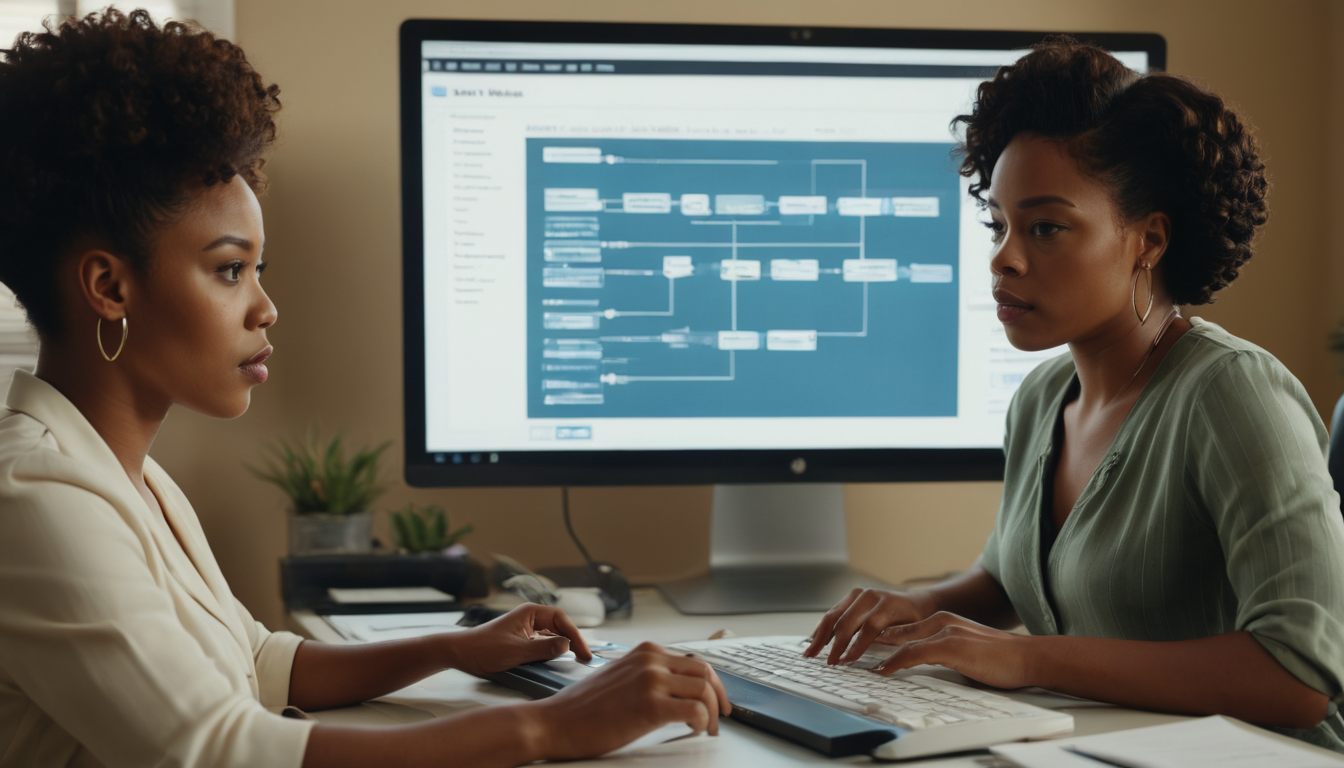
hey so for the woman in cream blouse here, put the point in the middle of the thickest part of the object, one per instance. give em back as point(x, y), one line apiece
point(129, 230)
point(1168, 532)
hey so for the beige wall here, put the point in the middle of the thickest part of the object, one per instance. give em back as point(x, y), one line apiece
point(333, 232)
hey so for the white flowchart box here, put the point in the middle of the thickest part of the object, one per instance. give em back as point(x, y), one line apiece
point(859, 206)
point(738, 269)
point(695, 205)
point(570, 384)
point(572, 251)
point(870, 270)
point(647, 202)
point(571, 199)
point(571, 226)
point(571, 155)
point(735, 340)
point(573, 398)
point(930, 273)
point(571, 349)
point(915, 206)
point(791, 341)
point(800, 205)
point(570, 321)
point(739, 205)
point(573, 277)
point(794, 269)
point(677, 266)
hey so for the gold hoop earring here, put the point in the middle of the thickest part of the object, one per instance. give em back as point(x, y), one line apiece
point(120, 346)
point(1133, 294)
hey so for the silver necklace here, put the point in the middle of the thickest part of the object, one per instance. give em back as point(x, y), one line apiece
point(1166, 323)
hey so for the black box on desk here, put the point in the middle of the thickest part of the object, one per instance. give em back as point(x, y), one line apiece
point(304, 581)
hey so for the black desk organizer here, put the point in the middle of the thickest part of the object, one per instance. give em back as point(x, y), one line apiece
point(304, 581)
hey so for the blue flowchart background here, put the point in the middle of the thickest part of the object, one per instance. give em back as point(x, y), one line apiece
point(905, 366)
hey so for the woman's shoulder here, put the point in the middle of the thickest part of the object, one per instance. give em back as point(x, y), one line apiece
point(25, 444)
point(1210, 341)
point(1232, 387)
point(46, 442)
point(21, 434)
point(39, 481)
point(1213, 359)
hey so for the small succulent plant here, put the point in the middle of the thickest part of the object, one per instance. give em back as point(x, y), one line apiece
point(424, 529)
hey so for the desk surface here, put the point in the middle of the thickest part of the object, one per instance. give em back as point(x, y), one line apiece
point(654, 619)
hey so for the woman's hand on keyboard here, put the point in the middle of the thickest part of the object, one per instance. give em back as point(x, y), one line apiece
point(643, 690)
point(863, 618)
point(530, 632)
point(986, 655)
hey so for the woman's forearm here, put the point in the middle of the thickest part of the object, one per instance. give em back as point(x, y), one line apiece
point(975, 595)
point(644, 689)
point(1229, 674)
point(327, 675)
point(490, 737)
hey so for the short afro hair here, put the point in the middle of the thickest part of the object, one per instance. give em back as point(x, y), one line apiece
point(106, 125)
point(1157, 141)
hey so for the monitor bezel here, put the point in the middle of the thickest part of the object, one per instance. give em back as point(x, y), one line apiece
point(663, 467)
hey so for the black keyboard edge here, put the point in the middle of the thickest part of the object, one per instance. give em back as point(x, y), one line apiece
point(824, 729)
point(529, 679)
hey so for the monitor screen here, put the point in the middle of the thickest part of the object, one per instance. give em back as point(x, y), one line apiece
point(649, 257)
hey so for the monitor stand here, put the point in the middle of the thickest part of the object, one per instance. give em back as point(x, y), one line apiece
point(773, 549)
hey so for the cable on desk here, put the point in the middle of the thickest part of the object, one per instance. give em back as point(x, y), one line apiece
point(569, 526)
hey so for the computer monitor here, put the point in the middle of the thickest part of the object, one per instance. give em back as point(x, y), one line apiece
point(739, 255)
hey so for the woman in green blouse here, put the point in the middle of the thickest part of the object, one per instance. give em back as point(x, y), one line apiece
point(1169, 533)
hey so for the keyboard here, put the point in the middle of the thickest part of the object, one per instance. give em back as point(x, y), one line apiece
point(930, 716)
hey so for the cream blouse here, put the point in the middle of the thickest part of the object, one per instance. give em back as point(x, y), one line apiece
point(120, 646)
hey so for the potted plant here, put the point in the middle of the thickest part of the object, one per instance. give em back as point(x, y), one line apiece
point(331, 497)
point(425, 530)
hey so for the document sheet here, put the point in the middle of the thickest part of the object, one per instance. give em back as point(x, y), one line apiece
point(1210, 742)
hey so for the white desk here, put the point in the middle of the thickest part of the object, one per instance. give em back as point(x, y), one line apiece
point(737, 744)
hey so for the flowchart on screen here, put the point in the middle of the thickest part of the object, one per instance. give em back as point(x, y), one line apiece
point(708, 277)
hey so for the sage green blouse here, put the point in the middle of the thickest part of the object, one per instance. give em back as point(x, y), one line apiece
point(1212, 512)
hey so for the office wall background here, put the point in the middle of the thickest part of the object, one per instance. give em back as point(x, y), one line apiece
point(333, 236)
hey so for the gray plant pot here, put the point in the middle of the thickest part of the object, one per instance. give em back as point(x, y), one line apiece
point(315, 534)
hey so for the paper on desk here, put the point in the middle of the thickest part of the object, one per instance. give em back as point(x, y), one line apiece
point(370, 628)
point(1040, 697)
point(669, 732)
point(1210, 742)
point(389, 595)
point(1043, 755)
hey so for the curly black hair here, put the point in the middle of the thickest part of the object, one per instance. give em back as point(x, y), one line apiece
point(1157, 141)
point(107, 123)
